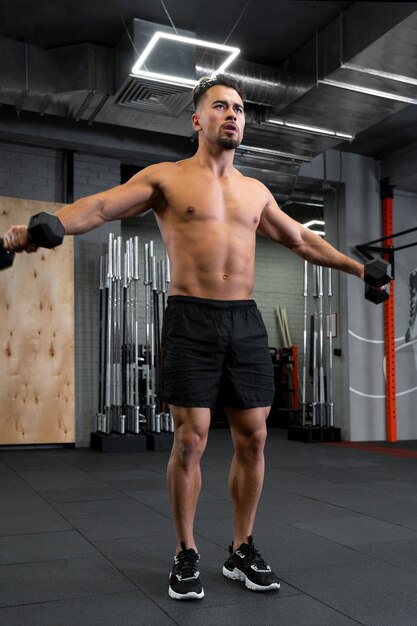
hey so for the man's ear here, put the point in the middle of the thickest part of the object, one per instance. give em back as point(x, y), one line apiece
point(195, 120)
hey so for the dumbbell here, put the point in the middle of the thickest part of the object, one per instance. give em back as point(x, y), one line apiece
point(6, 257)
point(44, 230)
point(376, 279)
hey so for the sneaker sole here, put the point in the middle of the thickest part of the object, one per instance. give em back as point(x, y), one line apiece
point(191, 595)
point(237, 574)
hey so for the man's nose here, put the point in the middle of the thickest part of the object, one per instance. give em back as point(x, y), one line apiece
point(231, 113)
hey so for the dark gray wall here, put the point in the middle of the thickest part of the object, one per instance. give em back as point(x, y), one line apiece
point(37, 173)
point(360, 381)
point(352, 213)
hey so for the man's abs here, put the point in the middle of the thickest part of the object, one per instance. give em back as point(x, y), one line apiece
point(212, 265)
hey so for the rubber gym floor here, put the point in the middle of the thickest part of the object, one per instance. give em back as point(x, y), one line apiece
point(86, 538)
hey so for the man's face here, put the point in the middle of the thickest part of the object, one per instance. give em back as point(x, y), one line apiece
point(220, 117)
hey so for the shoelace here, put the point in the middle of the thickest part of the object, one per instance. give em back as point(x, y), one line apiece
point(255, 556)
point(187, 563)
point(252, 554)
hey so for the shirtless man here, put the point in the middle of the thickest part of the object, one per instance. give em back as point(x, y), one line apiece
point(214, 340)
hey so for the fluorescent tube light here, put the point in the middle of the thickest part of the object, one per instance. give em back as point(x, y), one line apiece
point(314, 223)
point(368, 91)
point(368, 70)
point(316, 130)
point(179, 80)
point(267, 152)
point(305, 202)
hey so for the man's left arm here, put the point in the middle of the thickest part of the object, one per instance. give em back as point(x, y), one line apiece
point(277, 226)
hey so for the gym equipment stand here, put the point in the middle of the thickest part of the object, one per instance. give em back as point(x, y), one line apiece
point(321, 427)
point(125, 366)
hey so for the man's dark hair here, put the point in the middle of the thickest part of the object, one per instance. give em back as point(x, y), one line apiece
point(216, 79)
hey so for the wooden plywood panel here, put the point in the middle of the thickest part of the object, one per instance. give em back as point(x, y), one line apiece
point(37, 402)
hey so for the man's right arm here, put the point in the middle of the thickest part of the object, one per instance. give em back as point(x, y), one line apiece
point(136, 196)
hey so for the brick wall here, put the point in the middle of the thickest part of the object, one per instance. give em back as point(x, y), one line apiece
point(30, 172)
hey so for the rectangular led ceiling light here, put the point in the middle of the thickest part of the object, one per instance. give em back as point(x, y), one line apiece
point(315, 130)
point(368, 91)
point(139, 68)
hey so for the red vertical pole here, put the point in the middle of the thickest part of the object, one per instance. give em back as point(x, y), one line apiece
point(389, 320)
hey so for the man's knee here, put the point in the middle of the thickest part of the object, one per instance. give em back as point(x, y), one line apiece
point(251, 441)
point(248, 430)
point(190, 435)
point(189, 445)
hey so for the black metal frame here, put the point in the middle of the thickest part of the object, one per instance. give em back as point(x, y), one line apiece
point(365, 249)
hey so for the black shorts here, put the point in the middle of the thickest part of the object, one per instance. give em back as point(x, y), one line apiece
point(215, 352)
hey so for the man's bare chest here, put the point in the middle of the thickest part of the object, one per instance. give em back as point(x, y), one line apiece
point(193, 199)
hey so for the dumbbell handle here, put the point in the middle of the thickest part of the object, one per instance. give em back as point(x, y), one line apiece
point(9, 251)
point(2, 247)
point(377, 295)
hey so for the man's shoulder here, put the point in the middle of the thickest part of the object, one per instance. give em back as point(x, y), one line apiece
point(253, 182)
point(166, 168)
point(162, 167)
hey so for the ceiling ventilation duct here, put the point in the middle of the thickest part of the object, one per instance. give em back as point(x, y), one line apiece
point(79, 82)
point(144, 94)
point(272, 91)
point(261, 83)
point(68, 81)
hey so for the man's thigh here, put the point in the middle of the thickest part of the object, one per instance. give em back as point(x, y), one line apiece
point(192, 357)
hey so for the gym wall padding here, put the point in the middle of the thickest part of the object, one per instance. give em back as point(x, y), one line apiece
point(37, 397)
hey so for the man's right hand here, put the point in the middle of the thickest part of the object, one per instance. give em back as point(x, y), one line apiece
point(16, 239)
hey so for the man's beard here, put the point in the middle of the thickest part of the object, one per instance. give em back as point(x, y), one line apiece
point(228, 143)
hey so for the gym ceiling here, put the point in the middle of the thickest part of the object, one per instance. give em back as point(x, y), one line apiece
point(61, 84)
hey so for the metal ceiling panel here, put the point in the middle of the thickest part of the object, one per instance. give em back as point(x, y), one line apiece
point(78, 82)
